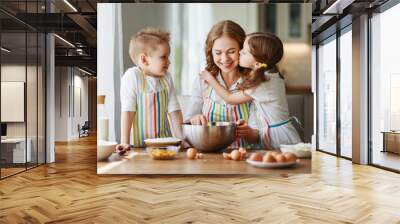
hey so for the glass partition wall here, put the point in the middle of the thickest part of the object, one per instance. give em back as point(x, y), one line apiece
point(327, 95)
point(385, 89)
point(22, 107)
point(334, 96)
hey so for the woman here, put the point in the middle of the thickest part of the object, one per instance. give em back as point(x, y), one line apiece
point(223, 44)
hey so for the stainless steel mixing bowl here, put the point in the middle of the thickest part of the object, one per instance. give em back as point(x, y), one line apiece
point(210, 138)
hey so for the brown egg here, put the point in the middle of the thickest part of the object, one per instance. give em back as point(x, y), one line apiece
point(191, 153)
point(290, 157)
point(280, 158)
point(274, 153)
point(199, 156)
point(269, 158)
point(256, 157)
point(235, 154)
point(242, 152)
point(226, 155)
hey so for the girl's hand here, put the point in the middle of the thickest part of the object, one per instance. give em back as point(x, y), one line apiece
point(206, 76)
point(122, 148)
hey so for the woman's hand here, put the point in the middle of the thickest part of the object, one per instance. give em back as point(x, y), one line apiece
point(206, 76)
point(198, 119)
point(243, 130)
point(122, 148)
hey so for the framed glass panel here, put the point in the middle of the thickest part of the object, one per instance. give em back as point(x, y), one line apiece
point(13, 85)
point(31, 98)
point(327, 95)
point(41, 98)
point(346, 93)
point(385, 89)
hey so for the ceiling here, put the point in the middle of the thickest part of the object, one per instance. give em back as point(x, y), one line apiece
point(76, 22)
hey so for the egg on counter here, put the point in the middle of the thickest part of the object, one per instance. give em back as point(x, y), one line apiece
point(269, 158)
point(256, 157)
point(290, 157)
point(243, 152)
point(191, 153)
point(280, 158)
point(226, 156)
point(235, 155)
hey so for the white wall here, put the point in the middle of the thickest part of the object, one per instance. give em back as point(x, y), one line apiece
point(109, 59)
point(67, 80)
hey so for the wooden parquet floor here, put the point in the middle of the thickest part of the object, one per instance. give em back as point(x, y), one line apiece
point(70, 191)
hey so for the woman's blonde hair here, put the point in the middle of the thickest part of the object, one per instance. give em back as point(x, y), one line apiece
point(229, 29)
point(267, 49)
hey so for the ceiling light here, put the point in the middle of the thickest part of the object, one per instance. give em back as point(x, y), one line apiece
point(337, 7)
point(84, 71)
point(70, 5)
point(5, 50)
point(65, 41)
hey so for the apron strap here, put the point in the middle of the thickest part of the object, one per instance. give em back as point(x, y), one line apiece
point(293, 118)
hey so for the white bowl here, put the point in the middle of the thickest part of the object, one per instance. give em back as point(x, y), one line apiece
point(301, 150)
point(105, 149)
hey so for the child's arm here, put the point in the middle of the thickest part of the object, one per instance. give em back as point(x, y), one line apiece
point(230, 98)
point(126, 125)
point(176, 120)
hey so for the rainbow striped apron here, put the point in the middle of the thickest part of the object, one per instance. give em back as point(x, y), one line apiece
point(151, 120)
point(215, 111)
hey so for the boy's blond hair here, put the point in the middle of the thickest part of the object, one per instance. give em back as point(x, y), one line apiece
point(146, 41)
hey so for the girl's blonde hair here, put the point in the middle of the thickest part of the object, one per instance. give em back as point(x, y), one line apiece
point(229, 29)
point(266, 48)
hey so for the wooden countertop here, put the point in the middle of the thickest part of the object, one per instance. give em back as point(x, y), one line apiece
point(139, 162)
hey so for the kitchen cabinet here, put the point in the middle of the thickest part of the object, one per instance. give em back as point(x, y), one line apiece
point(391, 141)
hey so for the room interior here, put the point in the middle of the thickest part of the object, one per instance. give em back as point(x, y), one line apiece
point(48, 91)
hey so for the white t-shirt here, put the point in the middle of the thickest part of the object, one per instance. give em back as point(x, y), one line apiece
point(130, 89)
point(270, 96)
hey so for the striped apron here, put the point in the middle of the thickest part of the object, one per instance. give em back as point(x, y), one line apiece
point(265, 125)
point(151, 120)
point(215, 111)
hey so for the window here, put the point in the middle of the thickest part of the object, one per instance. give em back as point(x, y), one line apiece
point(270, 17)
point(385, 83)
point(346, 93)
point(295, 20)
point(327, 95)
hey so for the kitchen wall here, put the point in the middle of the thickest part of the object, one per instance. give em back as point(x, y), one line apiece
point(189, 25)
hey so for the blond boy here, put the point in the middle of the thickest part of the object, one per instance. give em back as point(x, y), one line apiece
point(149, 105)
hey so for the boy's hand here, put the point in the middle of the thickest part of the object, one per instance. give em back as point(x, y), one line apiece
point(122, 148)
point(206, 76)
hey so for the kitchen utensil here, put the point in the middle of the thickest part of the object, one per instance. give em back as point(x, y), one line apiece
point(211, 137)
